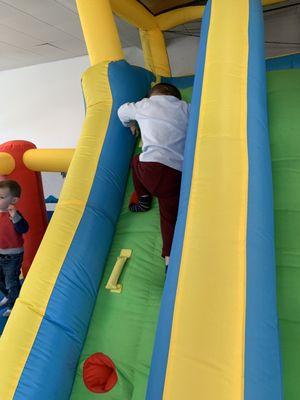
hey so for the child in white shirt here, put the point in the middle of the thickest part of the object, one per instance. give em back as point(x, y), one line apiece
point(162, 120)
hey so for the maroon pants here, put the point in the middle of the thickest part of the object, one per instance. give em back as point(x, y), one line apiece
point(163, 182)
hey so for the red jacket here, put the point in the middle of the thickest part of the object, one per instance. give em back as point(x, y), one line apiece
point(10, 232)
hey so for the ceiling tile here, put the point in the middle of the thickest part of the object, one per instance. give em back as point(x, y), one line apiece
point(16, 53)
point(72, 27)
point(48, 49)
point(71, 4)
point(35, 28)
point(6, 11)
point(71, 45)
point(13, 37)
point(47, 11)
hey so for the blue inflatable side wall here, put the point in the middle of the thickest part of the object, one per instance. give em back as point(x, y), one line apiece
point(64, 326)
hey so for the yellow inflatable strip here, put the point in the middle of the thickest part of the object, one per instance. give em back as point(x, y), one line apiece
point(179, 16)
point(26, 318)
point(155, 52)
point(207, 339)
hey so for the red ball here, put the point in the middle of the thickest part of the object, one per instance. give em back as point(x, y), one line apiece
point(99, 373)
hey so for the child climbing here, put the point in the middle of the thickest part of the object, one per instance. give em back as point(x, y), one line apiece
point(162, 121)
point(12, 227)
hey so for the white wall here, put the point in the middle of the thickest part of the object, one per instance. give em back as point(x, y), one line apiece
point(182, 55)
point(43, 103)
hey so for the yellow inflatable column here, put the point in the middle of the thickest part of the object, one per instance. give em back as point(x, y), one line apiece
point(206, 351)
point(152, 38)
point(155, 52)
point(100, 31)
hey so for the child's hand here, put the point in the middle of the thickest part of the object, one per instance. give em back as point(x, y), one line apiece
point(12, 211)
point(135, 129)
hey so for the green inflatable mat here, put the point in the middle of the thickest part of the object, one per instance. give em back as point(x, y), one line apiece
point(284, 120)
point(123, 325)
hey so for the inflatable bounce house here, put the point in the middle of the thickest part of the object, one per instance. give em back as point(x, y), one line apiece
point(96, 317)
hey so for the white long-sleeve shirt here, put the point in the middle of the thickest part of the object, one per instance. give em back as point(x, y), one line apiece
point(163, 123)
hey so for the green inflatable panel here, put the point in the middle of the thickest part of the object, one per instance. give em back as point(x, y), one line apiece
point(284, 119)
point(123, 325)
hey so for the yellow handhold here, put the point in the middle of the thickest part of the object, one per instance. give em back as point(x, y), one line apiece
point(112, 283)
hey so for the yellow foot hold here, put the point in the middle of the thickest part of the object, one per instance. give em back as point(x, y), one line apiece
point(112, 283)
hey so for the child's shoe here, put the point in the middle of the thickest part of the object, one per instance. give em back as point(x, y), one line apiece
point(3, 301)
point(141, 204)
point(6, 313)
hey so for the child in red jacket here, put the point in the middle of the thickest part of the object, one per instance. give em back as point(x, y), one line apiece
point(12, 227)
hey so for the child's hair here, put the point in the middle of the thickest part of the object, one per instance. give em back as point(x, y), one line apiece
point(165, 89)
point(13, 186)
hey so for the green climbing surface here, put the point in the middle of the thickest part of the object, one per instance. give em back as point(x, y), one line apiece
point(284, 117)
point(123, 325)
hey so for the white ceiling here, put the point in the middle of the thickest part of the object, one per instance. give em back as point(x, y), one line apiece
point(38, 31)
